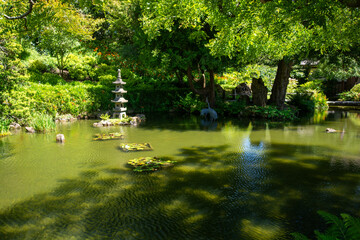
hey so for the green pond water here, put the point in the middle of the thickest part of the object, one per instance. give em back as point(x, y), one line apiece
point(232, 180)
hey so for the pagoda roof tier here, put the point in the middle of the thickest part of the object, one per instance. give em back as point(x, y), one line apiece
point(120, 90)
point(119, 100)
point(119, 81)
point(120, 109)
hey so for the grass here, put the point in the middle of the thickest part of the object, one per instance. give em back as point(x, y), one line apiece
point(4, 127)
point(42, 122)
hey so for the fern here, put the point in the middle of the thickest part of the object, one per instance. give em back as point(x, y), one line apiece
point(344, 228)
point(353, 226)
point(337, 228)
point(299, 236)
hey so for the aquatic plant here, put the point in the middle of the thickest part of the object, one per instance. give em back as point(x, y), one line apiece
point(109, 136)
point(4, 127)
point(105, 116)
point(346, 227)
point(132, 147)
point(149, 164)
point(42, 122)
point(118, 121)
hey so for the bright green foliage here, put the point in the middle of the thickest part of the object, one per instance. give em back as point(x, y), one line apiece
point(352, 95)
point(11, 67)
point(149, 164)
point(81, 67)
point(4, 127)
point(105, 117)
point(75, 99)
point(42, 122)
point(346, 228)
point(338, 67)
point(231, 78)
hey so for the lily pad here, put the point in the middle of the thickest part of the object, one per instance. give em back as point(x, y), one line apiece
point(109, 136)
point(133, 147)
point(149, 164)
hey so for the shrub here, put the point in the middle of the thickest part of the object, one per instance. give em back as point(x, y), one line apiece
point(190, 103)
point(270, 112)
point(308, 99)
point(77, 99)
point(352, 95)
point(81, 67)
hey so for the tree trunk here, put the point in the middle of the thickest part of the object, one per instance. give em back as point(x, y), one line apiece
point(208, 91)
point(259, 92)
point(211, 91)
point(281, 82)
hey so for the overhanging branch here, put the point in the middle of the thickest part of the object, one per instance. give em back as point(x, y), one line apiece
point(31, 4)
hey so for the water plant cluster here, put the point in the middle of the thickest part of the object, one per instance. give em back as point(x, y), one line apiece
point(149, 164)
point(110, 136)
point(133, 147)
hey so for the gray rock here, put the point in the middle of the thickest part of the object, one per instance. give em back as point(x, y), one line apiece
point(14, 126)
point(30, 129)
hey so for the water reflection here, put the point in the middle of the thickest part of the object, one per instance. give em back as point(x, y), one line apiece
point(245, 181)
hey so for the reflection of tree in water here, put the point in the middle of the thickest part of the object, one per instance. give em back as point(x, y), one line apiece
point(260, 192)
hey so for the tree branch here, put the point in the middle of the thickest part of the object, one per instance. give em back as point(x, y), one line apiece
point(31, 4)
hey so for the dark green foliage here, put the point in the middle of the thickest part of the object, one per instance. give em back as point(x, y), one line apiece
point(190, 103)
point(303, 102)
point(270, 112)
point(344, 228)
point(153, 100)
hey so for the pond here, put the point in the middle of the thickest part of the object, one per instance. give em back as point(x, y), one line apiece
point(232, 180)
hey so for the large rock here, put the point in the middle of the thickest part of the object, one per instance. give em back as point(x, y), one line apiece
point(244, 92)
point(60, 138)
point(14, 126)
point(30, 129)
point(259, 92)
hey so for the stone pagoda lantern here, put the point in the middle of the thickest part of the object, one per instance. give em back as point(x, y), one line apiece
point(120, 109)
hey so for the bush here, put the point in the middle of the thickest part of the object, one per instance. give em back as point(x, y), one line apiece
point(352, 95)
point(77, 99)
point(190, 103)
point(81, 67)
point(308, 99)
point(270, 112)
point(47, 78)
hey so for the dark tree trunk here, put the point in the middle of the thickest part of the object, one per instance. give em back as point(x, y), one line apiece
point(211, 92)
point(259, 92)
point(281, 82)
point(206, 91)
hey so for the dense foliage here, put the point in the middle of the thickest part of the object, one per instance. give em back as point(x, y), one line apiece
point(60, 57)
